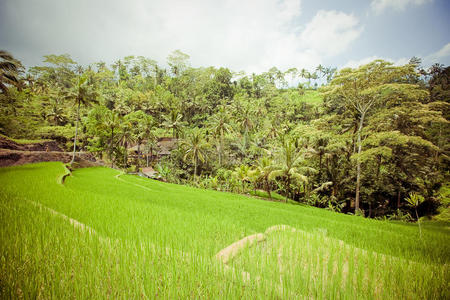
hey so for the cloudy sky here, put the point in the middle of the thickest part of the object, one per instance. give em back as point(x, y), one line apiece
point(248, 35)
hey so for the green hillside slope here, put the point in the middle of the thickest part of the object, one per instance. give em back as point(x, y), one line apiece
point(103, 234)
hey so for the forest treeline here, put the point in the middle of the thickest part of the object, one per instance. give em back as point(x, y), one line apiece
point(372, 140)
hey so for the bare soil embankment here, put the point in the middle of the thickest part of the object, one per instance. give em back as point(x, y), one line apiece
point(13, 154)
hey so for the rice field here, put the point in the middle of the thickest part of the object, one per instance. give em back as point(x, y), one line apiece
point(103, 234)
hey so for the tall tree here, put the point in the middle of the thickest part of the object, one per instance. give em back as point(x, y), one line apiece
point(126, 137)
point(174, 121)
point(220, 126)
point(195, 147)
point(288, 167)
point(82, 95)
point(265, 167)
point(111, 124)
point(178, 62)
point(9, 71)
point(364, 89)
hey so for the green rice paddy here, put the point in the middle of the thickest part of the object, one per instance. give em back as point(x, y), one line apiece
point(106, 235)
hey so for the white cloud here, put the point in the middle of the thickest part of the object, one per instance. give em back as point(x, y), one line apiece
point(366, 60)
point(440, 56)
point(330, 32)
point(380, 5)
point(437, 56)
point(249, 35)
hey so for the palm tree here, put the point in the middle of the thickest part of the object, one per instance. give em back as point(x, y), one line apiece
point(173, 121)
point(56, 113)
point(264, 169)
point(254, 176)
point(9, 71)
point(150, 146)
point(242, 173)
point(111, 123)
point(220, 126)
point(144, 132)
point(289, 166)
point(414, 200)
point(163, 171)
point(320, 150)
point(83, 95)
point(245, 119)
point(126, 137)
point(195, 147)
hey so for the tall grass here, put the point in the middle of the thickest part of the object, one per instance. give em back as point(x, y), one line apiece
point(154, 239)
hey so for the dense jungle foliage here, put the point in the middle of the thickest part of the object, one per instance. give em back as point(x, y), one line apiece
point(372, 140)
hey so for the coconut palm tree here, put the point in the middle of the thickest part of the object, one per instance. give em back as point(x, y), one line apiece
point(82, 94)
point(56, 113)
point(220, 126)
point(242, 173)
point(9, 71)
point(144, 131)
point(195, 147)
point(150, 146)
point(110, 124)
point(264, 169)
point(288, 167)
point(173, 121)
point(126, 137)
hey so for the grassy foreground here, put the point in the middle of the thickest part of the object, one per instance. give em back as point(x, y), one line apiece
point(139, 238)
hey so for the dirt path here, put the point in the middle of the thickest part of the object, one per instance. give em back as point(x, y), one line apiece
point(132, 183)
point(75, 223)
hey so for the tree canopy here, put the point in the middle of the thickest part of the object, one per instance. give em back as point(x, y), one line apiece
point(352, 140)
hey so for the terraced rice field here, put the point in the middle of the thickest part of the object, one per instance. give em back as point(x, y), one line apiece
point(106, 235)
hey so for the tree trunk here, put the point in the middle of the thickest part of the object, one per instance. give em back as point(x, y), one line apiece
point(111, 147)
point(151, 155)
point(418, 222)
point(220, 149)
point(195, 169)
point(268, 188)
point(398, 198)
point(125, 158)
point(288, 188)
point(76, 133)
point(320, 166)
point(138, 162)
point(358, 163)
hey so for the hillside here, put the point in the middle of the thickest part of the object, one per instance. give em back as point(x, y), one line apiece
point(18, 152)
point(103, 234)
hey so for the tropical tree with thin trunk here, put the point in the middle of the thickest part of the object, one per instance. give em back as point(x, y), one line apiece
point(145, 132)
point(414, 200)
point(9, 71)
point(242, 173)
point(263, 170)
point(366, 88)
point(195, 147)
point(82, 94)
point(150, 146)
point(220, 126)
point(126, 137)
point(111, 124)
point(174, 122)
point(288, 167)
point(56, 113)
point(141, 126)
